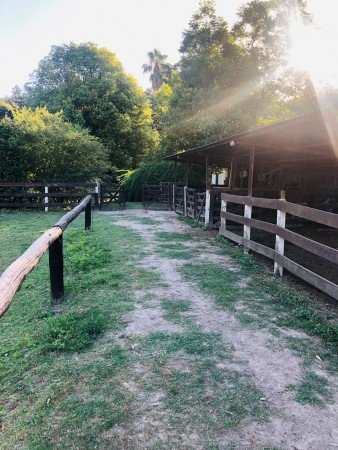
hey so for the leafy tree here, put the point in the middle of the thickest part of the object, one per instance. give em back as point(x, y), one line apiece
point(159, 69)
point(89, 86)
point(40, 146)
point(214, 81)
point(160, 104)
point(264, 28)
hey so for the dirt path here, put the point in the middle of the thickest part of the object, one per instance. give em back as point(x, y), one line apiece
point(260, 354)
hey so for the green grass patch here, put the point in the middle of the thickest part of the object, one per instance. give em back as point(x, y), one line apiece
point(214, 280)
point(191, 222)
point(201, 397)
point(171, 251)
point(164, 236)
point(146, 220)
point(72, 331)
point(313, 389)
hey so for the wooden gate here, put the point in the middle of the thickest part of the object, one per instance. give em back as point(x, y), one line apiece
point(160, 194)
point(179, 199)
point(112, 195)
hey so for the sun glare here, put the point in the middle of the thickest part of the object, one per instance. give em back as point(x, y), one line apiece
point(314, 51)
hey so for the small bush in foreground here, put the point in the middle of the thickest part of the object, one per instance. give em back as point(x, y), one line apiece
point(72, 331)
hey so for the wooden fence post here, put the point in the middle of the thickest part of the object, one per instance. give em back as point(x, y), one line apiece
point(185, 193)
point(247, 228)
point(223, 209)
point(88, 216)
point(97, 195)
point(56, 270)
point(195, 204)
point(207, 208)
point(46, 198)
point(279, 245)
point(174, 197)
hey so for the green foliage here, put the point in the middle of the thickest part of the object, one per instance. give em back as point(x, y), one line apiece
point(40, 146)
point(72, 331)
point(89, 85)
point(216, 76)
point(156, 171)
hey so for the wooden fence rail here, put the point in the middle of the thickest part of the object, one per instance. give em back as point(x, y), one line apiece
point(45, 195)
point(282, 207)
point(13, 277)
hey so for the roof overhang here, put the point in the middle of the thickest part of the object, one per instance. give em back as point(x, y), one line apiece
point(309, 137)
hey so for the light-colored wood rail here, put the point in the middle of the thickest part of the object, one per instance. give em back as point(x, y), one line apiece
point(12, 278)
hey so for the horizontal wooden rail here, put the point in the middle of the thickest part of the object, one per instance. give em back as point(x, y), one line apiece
point(13, 277)
point(33, 185)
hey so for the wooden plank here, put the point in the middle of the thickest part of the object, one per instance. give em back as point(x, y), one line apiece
point(233, 217)
point(322, 250)
point(269, 203)
point(310, 277)
point(232, 236)
point(259, 248)
point(43, 194)
point(254, 223)
point(307, 213)
point(32, 185)
point(37, 205)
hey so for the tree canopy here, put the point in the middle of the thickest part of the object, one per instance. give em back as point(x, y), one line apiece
point(91, 89)
point(40, 146)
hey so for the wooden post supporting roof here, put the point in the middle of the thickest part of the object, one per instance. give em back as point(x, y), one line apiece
point(207, 181)
point(251, 169)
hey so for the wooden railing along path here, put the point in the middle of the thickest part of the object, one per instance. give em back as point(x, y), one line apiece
point(282, 207)
point(13, 277)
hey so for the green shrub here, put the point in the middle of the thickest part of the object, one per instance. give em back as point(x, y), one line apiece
point(72, 331)
point(156, 171)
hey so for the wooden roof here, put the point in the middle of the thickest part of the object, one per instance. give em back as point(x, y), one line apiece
point(309, 137)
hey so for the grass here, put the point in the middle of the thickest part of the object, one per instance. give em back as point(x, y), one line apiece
point(66, 380)
point(199, 396)
point(314, 389)
point(61, 374)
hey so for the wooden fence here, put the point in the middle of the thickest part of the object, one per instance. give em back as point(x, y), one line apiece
point(157, 194)
point(13, 277)
point(278, 229)
point(112, 195)
point(45, 195)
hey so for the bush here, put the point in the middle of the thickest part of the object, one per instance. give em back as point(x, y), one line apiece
point(156, 171)
point(39, 146)
point(72, 331)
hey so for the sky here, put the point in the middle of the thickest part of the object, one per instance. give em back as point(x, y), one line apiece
point(129, 28)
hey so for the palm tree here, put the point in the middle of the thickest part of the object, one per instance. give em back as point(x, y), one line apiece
point(159, 70)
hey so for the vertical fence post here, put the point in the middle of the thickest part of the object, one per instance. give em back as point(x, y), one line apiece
point(174, 197)
point(207, 208)
point(97, 195)
point(279, 245)
point(46, 198)
point(56, 271)
point(247, 228)
point(223, 209)
point(88, 216)
point(185, 193)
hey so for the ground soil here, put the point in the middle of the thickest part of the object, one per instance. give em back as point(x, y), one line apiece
point(271, 365)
